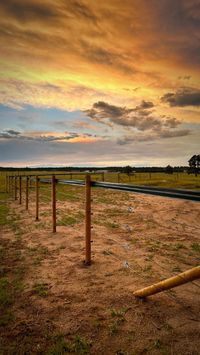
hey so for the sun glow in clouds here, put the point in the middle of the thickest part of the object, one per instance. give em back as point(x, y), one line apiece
point(121, 74)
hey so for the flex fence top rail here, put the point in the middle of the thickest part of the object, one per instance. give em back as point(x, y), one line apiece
point(172, 193)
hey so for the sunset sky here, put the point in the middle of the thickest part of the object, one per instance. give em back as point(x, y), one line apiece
point(110, 82)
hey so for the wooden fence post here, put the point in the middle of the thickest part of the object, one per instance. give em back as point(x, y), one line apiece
point(10, 185)
point(15, 187)
point(37, 198)
point(87, 220)
point(6, 183)
point(53, 197)
point(103, 176)
point(118, 177)
point(20, 190)
point(27, 183)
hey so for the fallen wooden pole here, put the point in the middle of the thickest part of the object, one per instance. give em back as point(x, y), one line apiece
point(172, 282)
point(87, 220)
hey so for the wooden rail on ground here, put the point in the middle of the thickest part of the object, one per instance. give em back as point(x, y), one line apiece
point(180, 279)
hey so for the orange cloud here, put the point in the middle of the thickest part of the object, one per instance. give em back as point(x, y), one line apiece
point(74, 53)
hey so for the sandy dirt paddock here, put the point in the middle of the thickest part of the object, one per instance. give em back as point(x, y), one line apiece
point(61, 306)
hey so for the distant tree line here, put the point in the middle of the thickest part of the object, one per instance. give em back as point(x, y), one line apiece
point(124, 169)
point(194, 168)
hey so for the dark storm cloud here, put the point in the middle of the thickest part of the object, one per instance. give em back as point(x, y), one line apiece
point(172, 134)
point(52, 13)
point(140, 117)
point(28, 10)
point(12, 132)
point(104, 56)
point(15, 135)
point(172, 122)
point(152, 136)
point(9, 134)
point(80, 9)
point(145, 105)
point(183, 97)
point(179, 22)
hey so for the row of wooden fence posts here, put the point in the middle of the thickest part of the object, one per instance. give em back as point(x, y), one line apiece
point(13, 187)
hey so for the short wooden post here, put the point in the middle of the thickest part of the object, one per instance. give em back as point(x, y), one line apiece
point(87, 220)
point(20, 190)
point(103, 177)
point(37, 198)
point(27, 183)
point(172, 282)
point(53, 198)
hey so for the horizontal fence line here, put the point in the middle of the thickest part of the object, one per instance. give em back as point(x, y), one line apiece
point(164, 192)
point(50, 174)
point(177, 194)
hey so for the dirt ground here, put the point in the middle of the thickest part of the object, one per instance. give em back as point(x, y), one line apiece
point(61, 306)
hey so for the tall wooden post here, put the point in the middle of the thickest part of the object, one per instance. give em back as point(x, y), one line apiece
point(37, 198)
point(103, 176)
point(6, 183)
point(87, 220)
point(20, 190)
point(10, 185)
point(27, 183)
point(53, 198)
point(15, 187)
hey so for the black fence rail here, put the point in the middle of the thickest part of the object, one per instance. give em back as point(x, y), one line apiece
point(158, 191)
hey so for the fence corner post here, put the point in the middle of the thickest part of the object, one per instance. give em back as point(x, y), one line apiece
point(88, 220)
